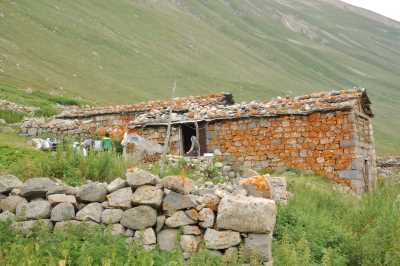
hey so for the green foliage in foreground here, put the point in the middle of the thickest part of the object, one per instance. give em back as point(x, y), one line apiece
point(89, 246)
point(320, 226)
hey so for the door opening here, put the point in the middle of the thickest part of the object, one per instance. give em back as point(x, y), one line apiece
point(366, 175)
point(188, 130)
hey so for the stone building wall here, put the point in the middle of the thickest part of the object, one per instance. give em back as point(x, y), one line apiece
point(321, 142)
point(158, 134)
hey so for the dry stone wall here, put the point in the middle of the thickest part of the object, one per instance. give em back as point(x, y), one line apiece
point(169, 213)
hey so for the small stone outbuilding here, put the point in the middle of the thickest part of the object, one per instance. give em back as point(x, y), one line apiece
point(329, 133)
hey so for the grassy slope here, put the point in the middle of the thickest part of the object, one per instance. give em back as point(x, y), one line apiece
point(126, 51)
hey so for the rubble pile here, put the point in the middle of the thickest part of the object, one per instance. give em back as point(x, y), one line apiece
point(8, 105)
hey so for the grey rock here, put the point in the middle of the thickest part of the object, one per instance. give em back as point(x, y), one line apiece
point(139, 218)
point(28, 226)
point(91, 212)
point(221, 239)
point(116, 229)
point(8, 183)
point(36, 187)
point(191, 230)
point(146, 237)
point(62, 189)
point(120, 198)
point(105, 204)
point(148, 195)
point(111, 216)
point(246, 214)
point(7, 216)
point(258, 245)
point(2, 196)
point(180, 184)
point(207, 217)
point(189, 243)
point(247, 173)
point(116, 185)
point(62, 212)
point(61, 198)
point(174, 201)
point(167, 239)
point(66, 225)
point(92, 192)
point(160, 223)
point(38, 209)
point(11, 202)
point(178, 219)
point(138, 177)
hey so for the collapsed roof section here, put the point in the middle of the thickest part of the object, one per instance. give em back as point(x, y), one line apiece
point(299, 105)
point(179, 104)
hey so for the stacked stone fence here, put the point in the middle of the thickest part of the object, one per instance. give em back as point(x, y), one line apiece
point(168, 213)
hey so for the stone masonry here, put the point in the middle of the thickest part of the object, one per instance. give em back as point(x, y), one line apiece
point(171, 213)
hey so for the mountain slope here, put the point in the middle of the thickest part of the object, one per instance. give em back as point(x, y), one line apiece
point(130, 50)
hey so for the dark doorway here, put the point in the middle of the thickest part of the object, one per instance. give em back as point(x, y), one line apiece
point(188, 130)
point(366, 175)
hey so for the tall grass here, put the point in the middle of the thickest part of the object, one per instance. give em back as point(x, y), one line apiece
point(64, 164)
point(90, 246)
point(320, 226)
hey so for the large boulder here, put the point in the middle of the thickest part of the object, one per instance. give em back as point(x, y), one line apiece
point(167, 239)
point(257, 186)
point(111, 216)
point(180, 184)
point(259, 246)
point(92, 192)
point(36, 187)
point(28, 226)
point(91, 212)
point(116, 184)
point(137, 177)
point(120, 198)
point(246, 214)
point(221, 239)
point(62, 212)
point(38, 209)
point(174, 201)
point(11, 202)
point(61, 198)
point(8, 183)
point(148, 195)
point(178, 219)
point(139, 218)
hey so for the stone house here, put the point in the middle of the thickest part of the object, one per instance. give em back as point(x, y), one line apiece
point(329, 133)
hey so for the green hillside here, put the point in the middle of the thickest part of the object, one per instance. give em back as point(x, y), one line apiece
point(130, 50)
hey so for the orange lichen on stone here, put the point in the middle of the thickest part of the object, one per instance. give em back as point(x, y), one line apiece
point(261, 183)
